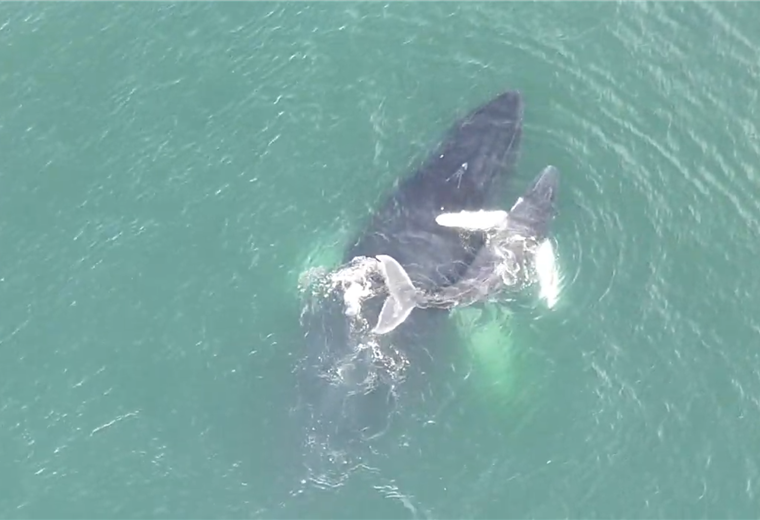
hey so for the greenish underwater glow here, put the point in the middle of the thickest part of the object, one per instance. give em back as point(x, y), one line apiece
point(487, 336)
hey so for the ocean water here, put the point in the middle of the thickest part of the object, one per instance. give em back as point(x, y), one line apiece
point(169, 171)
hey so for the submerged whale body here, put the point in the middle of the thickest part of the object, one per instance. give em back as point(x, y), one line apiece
point(350, 378)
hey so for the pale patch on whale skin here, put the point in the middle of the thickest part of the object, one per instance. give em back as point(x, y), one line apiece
point(482, 220)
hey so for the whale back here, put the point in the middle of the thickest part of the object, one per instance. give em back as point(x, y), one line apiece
point(465, 172)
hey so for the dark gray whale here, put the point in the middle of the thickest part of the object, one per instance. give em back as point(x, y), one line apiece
point(513, 243)
point(350, 379)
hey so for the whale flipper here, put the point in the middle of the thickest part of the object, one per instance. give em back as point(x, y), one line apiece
point(473, 220)
point(403, 297)
point(548, 274)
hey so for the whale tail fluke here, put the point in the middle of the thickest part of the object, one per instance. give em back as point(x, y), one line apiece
point(402, 299)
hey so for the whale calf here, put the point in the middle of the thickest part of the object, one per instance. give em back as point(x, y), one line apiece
point(514, 239)
point(349, 378)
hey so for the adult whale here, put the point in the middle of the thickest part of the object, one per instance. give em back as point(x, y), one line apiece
point(349, 378)
point(516, 246)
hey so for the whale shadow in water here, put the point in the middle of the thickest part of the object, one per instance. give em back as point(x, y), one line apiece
point(350, 381)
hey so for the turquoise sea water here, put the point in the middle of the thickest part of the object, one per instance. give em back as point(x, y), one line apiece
point(169, 170)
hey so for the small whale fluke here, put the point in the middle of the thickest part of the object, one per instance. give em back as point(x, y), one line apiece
point(403, 297)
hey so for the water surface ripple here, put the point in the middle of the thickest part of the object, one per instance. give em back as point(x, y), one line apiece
point(169, 170)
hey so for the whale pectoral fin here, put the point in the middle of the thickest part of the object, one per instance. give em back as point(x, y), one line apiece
point(473, 220)
point(548, 274)
point(403, 297)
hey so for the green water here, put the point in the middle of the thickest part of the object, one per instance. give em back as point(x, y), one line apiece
point(169, 170)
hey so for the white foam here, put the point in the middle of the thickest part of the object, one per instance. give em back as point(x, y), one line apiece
point(356, 283)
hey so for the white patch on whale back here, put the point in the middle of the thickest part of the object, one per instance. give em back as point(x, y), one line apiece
point(473, 220)
point(547, 272)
